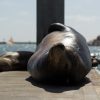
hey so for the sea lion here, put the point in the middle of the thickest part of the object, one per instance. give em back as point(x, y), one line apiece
point(11, 61)
point(95, 60)
point(62, 55)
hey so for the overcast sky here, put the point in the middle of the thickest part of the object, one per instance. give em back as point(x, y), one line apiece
point(18, 18)
point(84, 16)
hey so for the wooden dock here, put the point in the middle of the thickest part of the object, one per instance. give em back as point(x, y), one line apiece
point(18, 85)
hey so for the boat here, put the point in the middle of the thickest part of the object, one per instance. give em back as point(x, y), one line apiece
point(10, 41)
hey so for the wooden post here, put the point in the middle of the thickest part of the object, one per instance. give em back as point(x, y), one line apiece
point(48, 12)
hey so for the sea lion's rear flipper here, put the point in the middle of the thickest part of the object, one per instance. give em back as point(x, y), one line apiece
point(56, 27)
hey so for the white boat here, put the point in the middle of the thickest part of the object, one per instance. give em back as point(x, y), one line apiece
point(10, 41)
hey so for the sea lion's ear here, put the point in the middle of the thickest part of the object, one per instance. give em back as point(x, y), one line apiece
point(56, 27)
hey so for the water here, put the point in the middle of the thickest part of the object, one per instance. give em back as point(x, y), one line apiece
point(17, 47)
point(31, 47)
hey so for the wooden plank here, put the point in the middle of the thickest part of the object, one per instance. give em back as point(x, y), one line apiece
point(17, 85)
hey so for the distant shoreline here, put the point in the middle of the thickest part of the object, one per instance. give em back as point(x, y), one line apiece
point(20, 43)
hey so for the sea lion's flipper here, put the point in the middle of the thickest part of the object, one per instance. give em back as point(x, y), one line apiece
point(57, 54)
point(56, 27)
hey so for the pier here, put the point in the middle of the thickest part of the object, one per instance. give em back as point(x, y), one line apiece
point(18, 85)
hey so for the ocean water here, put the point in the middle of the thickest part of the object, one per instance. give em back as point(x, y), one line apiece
point(17, 47)
point(31, 47)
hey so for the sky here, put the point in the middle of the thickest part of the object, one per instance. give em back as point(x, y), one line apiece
point(18, 18)
point(84, 16)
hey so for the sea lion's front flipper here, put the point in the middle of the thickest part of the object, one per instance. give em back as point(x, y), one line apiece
point(57, 55)
point(56, 52)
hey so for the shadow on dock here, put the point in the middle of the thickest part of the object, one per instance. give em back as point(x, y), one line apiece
point(58, 87)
